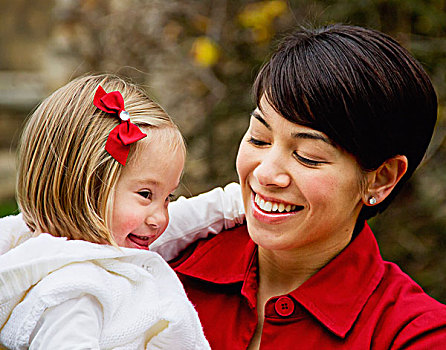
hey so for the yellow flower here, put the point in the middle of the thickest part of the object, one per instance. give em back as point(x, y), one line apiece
point(259, 17)
point(275, 8)
point(205, 51)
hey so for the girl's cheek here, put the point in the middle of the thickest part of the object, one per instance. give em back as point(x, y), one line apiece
point(128, 221)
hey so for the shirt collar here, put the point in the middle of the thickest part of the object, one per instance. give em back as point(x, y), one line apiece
point(334, 298)
point(223, 259)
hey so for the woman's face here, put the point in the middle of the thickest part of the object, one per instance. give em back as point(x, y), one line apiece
point(299, 190)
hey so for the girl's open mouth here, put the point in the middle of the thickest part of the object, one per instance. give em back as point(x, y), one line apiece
point(140, 242)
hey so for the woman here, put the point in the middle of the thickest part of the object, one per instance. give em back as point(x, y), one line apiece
point(344, 116)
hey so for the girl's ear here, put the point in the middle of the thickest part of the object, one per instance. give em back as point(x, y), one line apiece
point(384, 179)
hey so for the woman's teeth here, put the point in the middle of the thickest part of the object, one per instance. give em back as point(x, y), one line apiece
point(273, 206)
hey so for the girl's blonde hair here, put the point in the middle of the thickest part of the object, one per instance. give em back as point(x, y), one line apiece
point(65, 177)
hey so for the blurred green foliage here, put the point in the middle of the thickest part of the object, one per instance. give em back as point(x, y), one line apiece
point(8, 207)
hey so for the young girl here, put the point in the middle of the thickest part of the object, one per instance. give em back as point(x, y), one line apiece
point(98, 162)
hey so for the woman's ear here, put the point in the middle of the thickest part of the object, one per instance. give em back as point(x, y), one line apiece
point(384, 179)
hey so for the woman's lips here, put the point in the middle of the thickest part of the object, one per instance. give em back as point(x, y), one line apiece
point(272, 212)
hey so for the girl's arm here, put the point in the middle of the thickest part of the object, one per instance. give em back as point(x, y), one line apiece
point(74, 324)
point(197, 217)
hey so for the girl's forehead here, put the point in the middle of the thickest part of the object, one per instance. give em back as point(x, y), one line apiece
point(160, 143)
point(167, 138)
point(155, 161)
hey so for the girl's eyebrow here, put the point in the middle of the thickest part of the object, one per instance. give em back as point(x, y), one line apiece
point(151, 182)
point(141, 181)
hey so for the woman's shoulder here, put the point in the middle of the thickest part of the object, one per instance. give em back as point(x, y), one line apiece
point(402, 291)
point(403, 306)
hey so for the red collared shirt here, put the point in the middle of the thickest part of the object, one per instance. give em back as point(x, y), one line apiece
point(357, 301)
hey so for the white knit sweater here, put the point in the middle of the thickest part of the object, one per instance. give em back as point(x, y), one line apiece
point(137, 290)
point(68, 270)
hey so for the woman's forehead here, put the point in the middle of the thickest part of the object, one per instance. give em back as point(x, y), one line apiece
point(266, 115)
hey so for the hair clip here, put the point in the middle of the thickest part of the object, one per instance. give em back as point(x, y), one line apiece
point(122, 135)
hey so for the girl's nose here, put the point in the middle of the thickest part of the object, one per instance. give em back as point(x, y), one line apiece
point(158, 219)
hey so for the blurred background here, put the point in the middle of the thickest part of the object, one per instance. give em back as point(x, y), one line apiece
point(198, 59)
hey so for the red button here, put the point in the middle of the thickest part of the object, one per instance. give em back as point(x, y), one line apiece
point(284, 306)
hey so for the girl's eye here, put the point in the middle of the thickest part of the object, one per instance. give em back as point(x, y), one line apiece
point(146, 194)
point(307, 161)
point(257, 142)
point(170, 198)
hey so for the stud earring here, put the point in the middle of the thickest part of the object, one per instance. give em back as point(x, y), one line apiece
point(372, 200)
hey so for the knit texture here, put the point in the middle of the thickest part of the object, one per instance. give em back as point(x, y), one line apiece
point(137, 290)
point(13, 231)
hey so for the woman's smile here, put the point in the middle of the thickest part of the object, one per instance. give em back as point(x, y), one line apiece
point(272, 211)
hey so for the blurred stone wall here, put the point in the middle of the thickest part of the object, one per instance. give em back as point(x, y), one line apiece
point(23, 32)
point(29, 70)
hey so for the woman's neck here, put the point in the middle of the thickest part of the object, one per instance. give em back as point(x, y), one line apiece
point(281, 272)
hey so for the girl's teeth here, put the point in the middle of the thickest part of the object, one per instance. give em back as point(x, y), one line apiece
point(142, 237)
point(273, 206)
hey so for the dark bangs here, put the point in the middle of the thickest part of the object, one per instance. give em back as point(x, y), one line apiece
point(357, 86)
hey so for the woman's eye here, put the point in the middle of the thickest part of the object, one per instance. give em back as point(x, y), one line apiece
point(308, 161)
point(257, 142)
point(146, 194)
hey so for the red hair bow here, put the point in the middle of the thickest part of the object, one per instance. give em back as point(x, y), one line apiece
point(122, 135)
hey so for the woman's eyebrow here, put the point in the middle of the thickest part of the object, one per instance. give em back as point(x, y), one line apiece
point(256, 115)
point(299, 135)
point(312, 136)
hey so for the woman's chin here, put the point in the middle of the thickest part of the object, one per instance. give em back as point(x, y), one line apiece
point(266, 237)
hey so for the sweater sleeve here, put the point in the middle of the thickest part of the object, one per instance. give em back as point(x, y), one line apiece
point(74, 324)
point(197, 217)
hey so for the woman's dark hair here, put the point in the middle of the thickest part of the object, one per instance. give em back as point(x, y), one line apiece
point(360, 88)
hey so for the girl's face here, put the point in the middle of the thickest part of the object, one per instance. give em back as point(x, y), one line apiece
point(143, 192)
point(299, 189)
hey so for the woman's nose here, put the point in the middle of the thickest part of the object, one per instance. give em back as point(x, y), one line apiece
point(270, 171)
